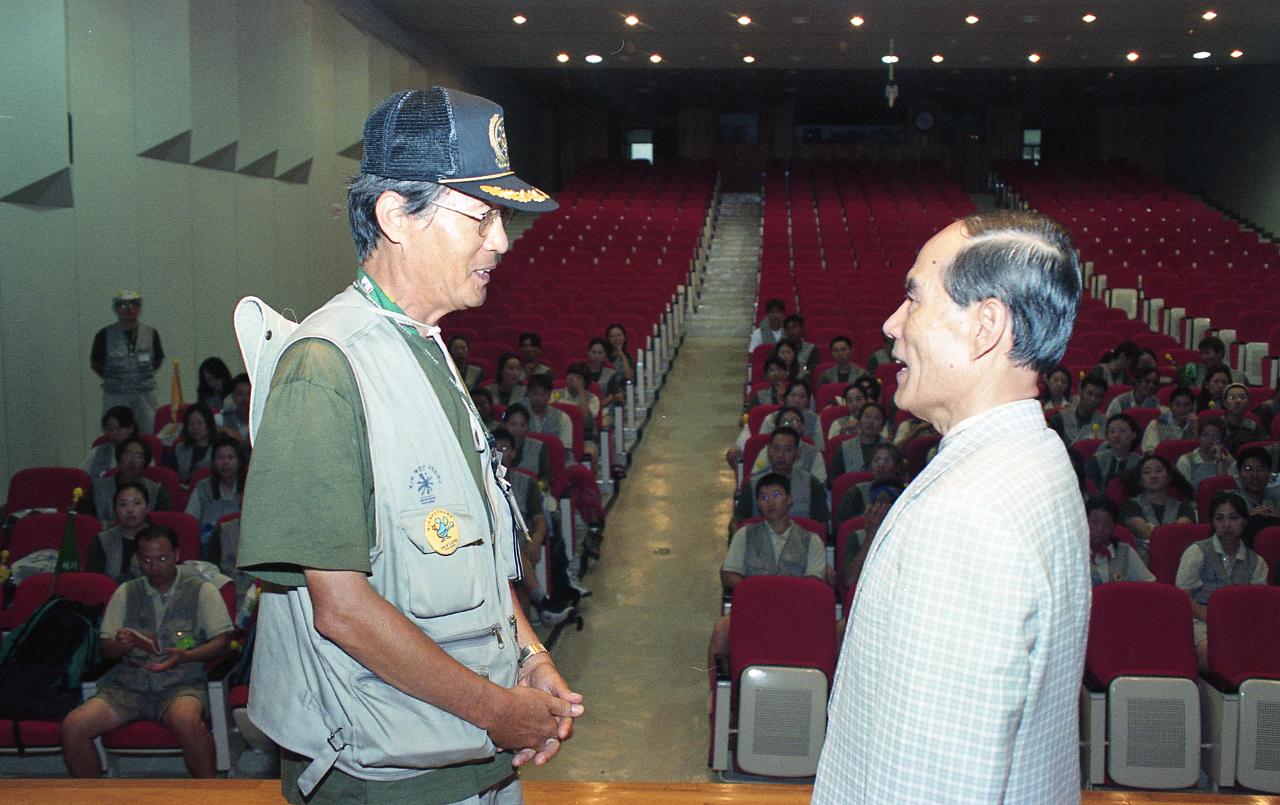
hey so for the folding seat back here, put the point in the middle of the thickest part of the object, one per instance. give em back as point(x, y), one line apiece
point(44, 488)
point(93, 589)
point(1087, 447)
point(1143, 416)
point(575, 416)
point(168, 479)
point(830, 413)
point(1267, 544)
point(37, 532)
point(844, 482)
point(555, 455)
point(165, 416)
point(1167, 544)
point(755, 417)
point(917, 452)
point(1207, 489)
point(1173, 449)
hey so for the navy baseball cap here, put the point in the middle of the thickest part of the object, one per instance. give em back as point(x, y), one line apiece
point(451, 138)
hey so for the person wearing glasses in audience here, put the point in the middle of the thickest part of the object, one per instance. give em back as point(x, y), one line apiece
point(1179, 422)
point(1210, 458)
point(1241, 428)
point(126, 356)
point(163, 628)
point(1261, 496)
point(391, 663)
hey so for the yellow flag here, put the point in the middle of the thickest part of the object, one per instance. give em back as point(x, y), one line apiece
point(175, 390)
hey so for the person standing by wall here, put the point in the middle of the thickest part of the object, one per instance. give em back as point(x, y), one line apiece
point(126, 356)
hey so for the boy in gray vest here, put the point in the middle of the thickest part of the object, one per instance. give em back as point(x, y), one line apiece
point(126, 355)
point(163, 628)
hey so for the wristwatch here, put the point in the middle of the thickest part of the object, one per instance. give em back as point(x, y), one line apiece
point(531, 650)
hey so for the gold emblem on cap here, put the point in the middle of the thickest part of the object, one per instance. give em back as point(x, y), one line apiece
point(531, 194)
point(498, 141)
point(441, 530)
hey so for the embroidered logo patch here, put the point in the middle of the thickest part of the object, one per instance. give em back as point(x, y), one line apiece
point(531, 194)
point(498, 141)
point(424, 482)
point(441, 530)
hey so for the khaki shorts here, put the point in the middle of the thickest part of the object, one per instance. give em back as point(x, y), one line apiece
point(133, 706)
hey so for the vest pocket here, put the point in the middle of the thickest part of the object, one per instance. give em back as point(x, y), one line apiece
point(442, 579)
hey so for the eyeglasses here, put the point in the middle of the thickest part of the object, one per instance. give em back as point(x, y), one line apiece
point(127, 304)
point(765, 497)
point(486, 220)
point(163, 559)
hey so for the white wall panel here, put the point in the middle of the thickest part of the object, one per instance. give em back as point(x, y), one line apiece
point(33, 92)
point(215, 104)
point(161, 72)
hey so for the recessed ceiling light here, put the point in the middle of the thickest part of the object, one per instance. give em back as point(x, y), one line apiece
point(1132, 55)
point(1201, 54)
point(519, 19)
point(890, 59)
point(593, 58)
point(856, 21)
point(655, 57)
point(562, 57)
point(1033, 58)
point(1235, 54)
point(1089, 17)
point(749, 59)
point(971, 19)
point(936, 58)
point(1209, 15)
point(631, 19)
point(744, 20)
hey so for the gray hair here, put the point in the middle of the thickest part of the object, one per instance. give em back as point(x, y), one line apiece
point(1027, 262)
point(362, 196)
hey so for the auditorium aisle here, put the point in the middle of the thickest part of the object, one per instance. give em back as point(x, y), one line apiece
point(656, 591)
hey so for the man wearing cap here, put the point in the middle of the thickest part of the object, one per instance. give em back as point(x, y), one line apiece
point(126, 355)
point(390, 662)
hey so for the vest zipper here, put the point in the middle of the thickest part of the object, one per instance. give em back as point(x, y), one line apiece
point(476, 634)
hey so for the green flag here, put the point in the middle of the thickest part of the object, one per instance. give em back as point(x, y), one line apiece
point(69, 553)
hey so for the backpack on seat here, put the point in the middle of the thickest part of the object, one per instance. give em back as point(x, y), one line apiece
point(43, 661)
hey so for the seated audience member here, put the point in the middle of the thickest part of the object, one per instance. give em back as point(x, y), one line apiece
point(769, 330)
point(1057, 391)
point(887, 465)
point(545, 417)
point(459, 349)
point(483, 401)
point(858, 544)
point(778, 377)
point(810, 457)
point(1114, 458)
point(1118, 365)
point(619, 354)
point(1084, 420)
point(808, 496)
point(1210, 458)
point(235, 416)
point(117, 425)
point(550, 610)
point(1240, 429)
point(1214, 390)
point(530, 454)
point(598, 371)
point(910, 428)
point(785, 351)
point(774, 547)
point(798, 396)
point(113, 552)
point(509, 386)
point(575, 393)
point(215, 383)
point(1150, 500)
point(132, 457)
point(870, 387)
point(845, 370)
point(1142, 395)
point(194, 447)
point(807, 356)
point(1179, 422)
point(1269, 409)
point(1146, 360)
point(1109, 558)
point(530, 356)
point(219, 493)
point(1260, 497)
point(1213, 353)
point(855, 454)
point(853, 399)
point(881, 356)
point(163, 627)
point(1220, 560)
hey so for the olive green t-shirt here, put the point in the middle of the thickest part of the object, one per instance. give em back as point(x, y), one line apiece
point(309, 504)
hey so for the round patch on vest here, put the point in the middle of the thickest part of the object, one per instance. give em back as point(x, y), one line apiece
point(441, 530)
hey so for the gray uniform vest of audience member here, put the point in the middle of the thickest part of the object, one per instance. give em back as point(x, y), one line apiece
point(207, 509)
point(1073, 430)
point(104, 497)
point(309, 695)
point(111, 543)
point(759, 559)
point(128, 376)
point(1213, 576)
point(801, 492)
point(180, 613)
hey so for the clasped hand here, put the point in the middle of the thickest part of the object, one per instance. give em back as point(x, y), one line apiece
point(539, 714)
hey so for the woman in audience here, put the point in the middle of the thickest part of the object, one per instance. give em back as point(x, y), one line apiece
point(1216, 380)
point(1179, 422)
point(1210, 458)
point(235, 417)
point(1142, 395)
point(112, 551)
point(798, 397)
point(1117, 366)
point(1114, 458)
point(1151, 502)
point(887, 465)
point(509, 387)
point(1239, 427)
point(1221, 560)
point(459, 349)
point(619, 354)
point(855, 454)
point(575, 393)
point(775, 372)
point(853, 399)
point(132, 457)
point(601, 372)
point(870, 388)
point(117, 425)
point(193, 449)
point(220, 493)
point(215, 383)
point(1146, 360)
point(530, 454)
point(1057, 390)
point(785, 351)
point(1109, 558)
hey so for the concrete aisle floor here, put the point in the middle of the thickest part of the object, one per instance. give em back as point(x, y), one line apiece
point(656, 588)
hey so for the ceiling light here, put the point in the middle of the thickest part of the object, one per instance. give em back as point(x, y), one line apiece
point(744, 20)
point(655, 57)
point(890, 59)
point(1089, 17)
point(1201, 54)
point(1132, 55)
point(562, 57)
point(593, 58)
point(519, 19)
point(1209, 15)
point(856, 21)
point(749, 59)
point(1033, 58)
point(936, 58)
point(1235, 54)
point(971, 19)
point(631, 19)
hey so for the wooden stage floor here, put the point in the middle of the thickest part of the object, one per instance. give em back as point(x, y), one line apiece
point(537, 792)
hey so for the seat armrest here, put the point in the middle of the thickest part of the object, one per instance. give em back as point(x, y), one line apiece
point(1218, 681)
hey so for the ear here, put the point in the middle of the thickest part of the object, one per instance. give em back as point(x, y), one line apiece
point(991, 324)
point(390, 214)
